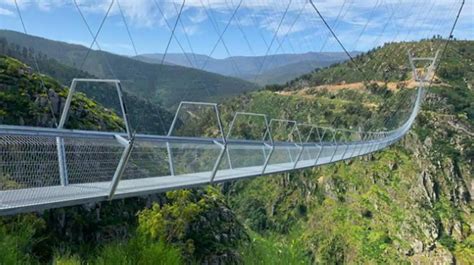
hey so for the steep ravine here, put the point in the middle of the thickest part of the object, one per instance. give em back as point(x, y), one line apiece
point(410, 203)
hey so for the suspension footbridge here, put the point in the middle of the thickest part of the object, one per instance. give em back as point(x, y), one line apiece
point(43, 168)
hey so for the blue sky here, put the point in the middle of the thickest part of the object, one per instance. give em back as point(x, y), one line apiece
point(361, 25)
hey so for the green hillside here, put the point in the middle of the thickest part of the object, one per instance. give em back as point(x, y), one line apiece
point(24, 101)
point(390, 63)
point(411, 203)
point(161, 84)
point(145, 116)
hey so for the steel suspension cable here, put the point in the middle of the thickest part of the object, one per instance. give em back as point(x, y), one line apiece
point(288, 32)
point(220, 35)
point(273, 38)
point(97, 33)
point(220, 38)
point(94, 39)
point(372, 13)
point(172, 36)
point(137, 127)
point(172, 32)
point(127, 28)
point(339, 17)
point(399, 105)
point(375, 66)
point(450, 37)
point(187, 39)
point(35, 61)
point(337, 39)
point(239, 25)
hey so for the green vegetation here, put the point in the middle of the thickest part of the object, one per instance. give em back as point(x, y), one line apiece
point(18, 236)
point(194, 221)
point(407, 204)
point(273, 251)
point(27, 98)
point(145, 116)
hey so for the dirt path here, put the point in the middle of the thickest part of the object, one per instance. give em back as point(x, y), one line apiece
point(393, 86)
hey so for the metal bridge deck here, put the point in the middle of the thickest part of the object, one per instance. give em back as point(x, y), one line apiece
point(38, 198)
point(44, 168)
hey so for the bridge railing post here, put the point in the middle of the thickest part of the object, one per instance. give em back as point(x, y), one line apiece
point(63, 172)
point(260, 138)
point(121, 165)
point(222, 143)
point(336, 145)
point(351, 144)
point(63, 176)
point(346, 142)
point(370, 146)
point(370, 143)
point(321, 137)
point(374, 142)
point(307, 140)
point(168, 146)
point(223, 146)
point(269, 134)
point(378, 141)
point(356, 143)
point(299, 144)
point(361, 144)
point(289, 139)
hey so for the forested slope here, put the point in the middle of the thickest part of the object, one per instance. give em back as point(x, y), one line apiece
point(166, 85)
point(145, 116)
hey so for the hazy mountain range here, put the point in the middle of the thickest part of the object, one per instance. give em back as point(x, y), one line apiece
point(278, 68)
point(166, 85)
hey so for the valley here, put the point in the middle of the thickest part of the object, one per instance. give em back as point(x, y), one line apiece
point(411, 203)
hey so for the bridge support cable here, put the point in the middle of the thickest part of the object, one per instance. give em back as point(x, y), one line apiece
point(273, 38)
point(172, 32)
point(96, 35)
point(215, 26)
point(285, 36)
point(35, 61)
point(337, 38)
point(172, 36)
point(221, 34)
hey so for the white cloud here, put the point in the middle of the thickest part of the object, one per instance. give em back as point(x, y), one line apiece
point(198, 16)
point(6, 12)
point(408, 18)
